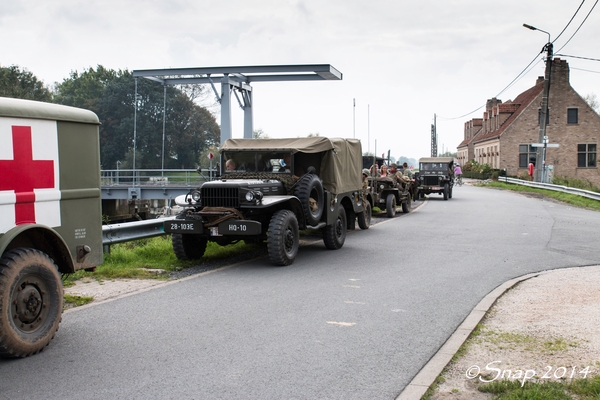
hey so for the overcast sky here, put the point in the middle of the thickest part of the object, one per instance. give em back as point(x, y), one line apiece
point(402, 61)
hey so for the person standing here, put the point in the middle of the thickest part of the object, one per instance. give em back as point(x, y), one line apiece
point(407, 172)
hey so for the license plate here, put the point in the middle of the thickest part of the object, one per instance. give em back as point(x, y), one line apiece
point(181, 226)
point(240, 227)
point(436, 188)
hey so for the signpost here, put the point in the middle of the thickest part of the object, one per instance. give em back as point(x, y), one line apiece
point(545, 145)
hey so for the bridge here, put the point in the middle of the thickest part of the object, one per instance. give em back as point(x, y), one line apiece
point(151, 184)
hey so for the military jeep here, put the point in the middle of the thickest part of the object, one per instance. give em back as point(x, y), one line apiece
point(436, 175)
point(270, 189)
point(386, 193)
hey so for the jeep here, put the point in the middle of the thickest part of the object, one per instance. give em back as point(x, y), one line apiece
point(436, 175)
point(270, 189)
point(387, 192)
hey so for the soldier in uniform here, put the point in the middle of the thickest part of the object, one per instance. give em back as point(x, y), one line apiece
point(407, 171)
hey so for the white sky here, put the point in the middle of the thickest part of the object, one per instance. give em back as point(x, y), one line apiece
point(402, 61)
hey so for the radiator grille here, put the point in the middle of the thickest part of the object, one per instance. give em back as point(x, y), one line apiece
point(430, 180)
point(220, 197)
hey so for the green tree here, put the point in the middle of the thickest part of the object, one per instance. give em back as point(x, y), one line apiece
point(21, 84)
point(85, 89)
point(188, 128)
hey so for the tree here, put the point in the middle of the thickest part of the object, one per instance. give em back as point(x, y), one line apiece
point(183, 128)
point(22, 84)
point(259, 134)
point(592, 101)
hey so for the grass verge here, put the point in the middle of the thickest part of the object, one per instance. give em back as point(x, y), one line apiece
point(152, 259)
point(577, 201)
point(76, 301)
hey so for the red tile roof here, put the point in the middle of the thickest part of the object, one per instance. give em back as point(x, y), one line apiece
point(518, 104)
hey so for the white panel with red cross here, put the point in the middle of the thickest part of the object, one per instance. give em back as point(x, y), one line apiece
point(29, 173)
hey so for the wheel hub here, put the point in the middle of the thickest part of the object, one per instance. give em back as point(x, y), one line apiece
point(29, 303)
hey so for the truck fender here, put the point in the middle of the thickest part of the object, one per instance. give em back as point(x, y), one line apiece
point(40, 237)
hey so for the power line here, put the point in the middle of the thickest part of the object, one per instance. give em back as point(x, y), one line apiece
point(502, 91)
point(582, 58)
point(536, 58)
point(580, 25)
point(565, 28)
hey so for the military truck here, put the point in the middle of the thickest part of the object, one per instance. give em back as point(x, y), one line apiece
point(436, 175)
point(270, 189)
point(50, 216)
point(386, 193)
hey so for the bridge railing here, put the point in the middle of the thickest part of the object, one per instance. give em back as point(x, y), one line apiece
point(157, 177)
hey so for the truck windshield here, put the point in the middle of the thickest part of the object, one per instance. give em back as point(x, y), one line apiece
point(433, 167)
point(245, 161)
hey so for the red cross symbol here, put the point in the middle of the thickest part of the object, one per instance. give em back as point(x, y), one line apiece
point(23, 174)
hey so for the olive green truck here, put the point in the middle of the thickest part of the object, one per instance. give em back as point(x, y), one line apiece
point(50, 216)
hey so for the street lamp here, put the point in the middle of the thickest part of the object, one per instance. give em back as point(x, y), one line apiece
point(540, 167)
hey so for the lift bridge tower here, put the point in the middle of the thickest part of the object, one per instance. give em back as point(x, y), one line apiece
point(434, 150)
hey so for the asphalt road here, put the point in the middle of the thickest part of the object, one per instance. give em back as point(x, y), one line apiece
point(356, 323)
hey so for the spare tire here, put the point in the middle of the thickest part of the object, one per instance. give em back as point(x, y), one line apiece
point(310, 186)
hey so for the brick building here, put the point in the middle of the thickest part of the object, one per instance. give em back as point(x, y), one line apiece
point(503, 137)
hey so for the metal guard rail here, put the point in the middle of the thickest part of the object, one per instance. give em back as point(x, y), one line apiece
point(548, 186)
point(128, 231)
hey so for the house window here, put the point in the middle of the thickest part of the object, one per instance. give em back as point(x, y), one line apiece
point(540, 116)
point(572, 116)
point(586, 155)
point(526, 155)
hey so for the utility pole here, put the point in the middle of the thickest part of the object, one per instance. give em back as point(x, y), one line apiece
point(540, 153)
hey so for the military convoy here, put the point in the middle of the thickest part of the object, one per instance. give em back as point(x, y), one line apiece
point(271, 189)
point(50, 216)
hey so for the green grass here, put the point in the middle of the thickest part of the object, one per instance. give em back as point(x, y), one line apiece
point(577, 201)
point(580, 389)
point(77, 301)
point(142, 258)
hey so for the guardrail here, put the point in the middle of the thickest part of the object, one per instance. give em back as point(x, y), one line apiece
point(128, 231)
point(548, 186)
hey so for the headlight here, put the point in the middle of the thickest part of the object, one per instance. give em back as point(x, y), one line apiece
point(254, 195)
point(196, 195)
point(381, 187)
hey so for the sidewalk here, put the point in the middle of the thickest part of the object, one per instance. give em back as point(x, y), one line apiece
point(543, 324)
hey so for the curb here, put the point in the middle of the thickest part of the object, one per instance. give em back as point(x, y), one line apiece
point(434, 367)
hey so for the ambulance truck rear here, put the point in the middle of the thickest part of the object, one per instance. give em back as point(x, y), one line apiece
point(50, 216)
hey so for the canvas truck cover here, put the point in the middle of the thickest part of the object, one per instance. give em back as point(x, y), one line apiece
point(341, 164)
point(50, 172)
point(436, 160)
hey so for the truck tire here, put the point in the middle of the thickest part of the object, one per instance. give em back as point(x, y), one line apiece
point(334, 235)
point(407, 204)
point(188, 247)
point(390, 205)
point(310, 186)
point(31, 302)
point(450, 192)
point(283, 238)
point(446, 191)
point(364, 218)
